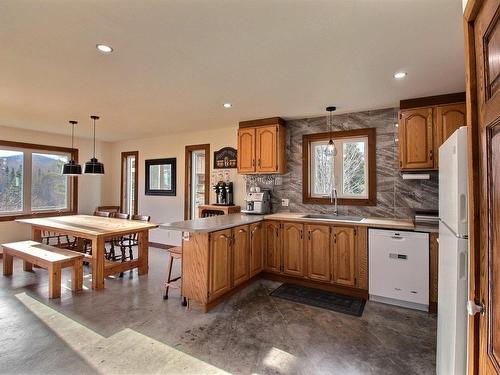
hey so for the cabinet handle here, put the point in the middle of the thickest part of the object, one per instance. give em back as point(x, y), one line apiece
point(277, 232)
point(309, 235)
point(253, 162)
point(259, 163)
point(334, 238)
point(400, 164)
point(431, 155)
point(301, 234)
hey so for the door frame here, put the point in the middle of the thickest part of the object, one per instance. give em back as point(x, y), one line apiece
point(470, 13)
point(124, 157)
point(187, 175)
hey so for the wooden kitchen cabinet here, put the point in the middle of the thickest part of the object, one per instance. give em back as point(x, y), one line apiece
point(293, 249)
point(424, 125)
point(219, 263)
point(240, 255)
point(273, 246)
point(344, 255)
point(256, 248)
point(246, 150)
point(318, 252)
point(416, 140)
point(261, 146)
point(447, 119)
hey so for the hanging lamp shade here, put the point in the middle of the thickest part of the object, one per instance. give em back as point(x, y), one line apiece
point(71, 168)
point(94, 166)
point(331, 143)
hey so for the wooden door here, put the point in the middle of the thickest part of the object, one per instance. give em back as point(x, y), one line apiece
point(220, 263)
point(273, 246)
point(416, 139)
point(318, 252)
point(293, 249)
point(483, 100)
point(256, 248)
point(448, 118)
point(246, 150)
point(266, 146)
point(241, 253)
point(344, 256)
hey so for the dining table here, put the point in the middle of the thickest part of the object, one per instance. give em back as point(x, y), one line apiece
point(97, 230)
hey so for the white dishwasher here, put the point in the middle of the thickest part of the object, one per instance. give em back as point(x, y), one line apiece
point(398, 268)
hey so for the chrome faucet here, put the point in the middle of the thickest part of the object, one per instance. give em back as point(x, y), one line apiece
point(333, 197)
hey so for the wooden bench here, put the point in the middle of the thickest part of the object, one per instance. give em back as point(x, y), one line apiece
point(49, 257)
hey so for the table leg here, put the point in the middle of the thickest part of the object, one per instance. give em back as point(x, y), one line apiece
point(77, 276)
point(27, 266)
point(7, 264)
point(98, 263)
point(36, 234)
point(54, 281)
point(143, 252)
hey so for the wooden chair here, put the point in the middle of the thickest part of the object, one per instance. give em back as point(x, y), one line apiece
point(117, 241)
point(61, 241)
point(87, 248)
point(132, 240)
point(174, 253)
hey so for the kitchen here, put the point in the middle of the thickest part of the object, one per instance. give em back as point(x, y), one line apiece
point(308, 186)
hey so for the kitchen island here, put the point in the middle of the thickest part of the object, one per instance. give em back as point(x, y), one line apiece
point(222, 254)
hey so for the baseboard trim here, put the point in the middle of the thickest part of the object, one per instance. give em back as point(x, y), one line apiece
point(160, 245)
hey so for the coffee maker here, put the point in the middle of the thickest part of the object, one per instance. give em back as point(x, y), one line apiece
point(224, 193)
point(258, 202)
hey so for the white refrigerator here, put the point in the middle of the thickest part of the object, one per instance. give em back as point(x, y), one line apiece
point(451, 357)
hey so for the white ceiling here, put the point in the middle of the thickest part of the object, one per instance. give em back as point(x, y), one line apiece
point(176, 62)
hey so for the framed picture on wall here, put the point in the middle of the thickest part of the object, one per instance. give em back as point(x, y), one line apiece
point(161, 177)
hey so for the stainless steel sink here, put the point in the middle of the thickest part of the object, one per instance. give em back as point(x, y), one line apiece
point(333, 217)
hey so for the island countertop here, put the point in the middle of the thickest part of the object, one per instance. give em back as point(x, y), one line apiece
point(212, 224)
point(215, 223)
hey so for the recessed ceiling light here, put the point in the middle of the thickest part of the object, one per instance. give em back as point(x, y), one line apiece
point(104, 48)
point(400, 75)
point(227, 105)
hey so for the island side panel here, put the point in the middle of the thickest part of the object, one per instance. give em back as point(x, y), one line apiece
point(195, 255)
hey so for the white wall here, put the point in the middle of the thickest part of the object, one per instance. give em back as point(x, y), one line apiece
point(90, 188)
point(169, 209)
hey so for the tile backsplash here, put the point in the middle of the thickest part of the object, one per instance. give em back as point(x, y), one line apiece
point(395, 197)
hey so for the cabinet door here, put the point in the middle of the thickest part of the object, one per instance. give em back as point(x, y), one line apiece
point(220, 263)
point(240, 254)
point(266, 147)
point(273, 246)
point(293, 249)
point(246, 150)
point(448, 119)
point(416, 139)
point(318, 252)
point(256, 248)
point(344, 256)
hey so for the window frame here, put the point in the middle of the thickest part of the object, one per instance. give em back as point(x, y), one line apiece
point(308, 139)
point(124, 159)
point(27, 174)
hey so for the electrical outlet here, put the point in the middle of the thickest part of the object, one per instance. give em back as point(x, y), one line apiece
point(285, 202)
point(278, 181)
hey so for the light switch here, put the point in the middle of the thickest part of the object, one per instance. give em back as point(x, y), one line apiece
point(285, 202)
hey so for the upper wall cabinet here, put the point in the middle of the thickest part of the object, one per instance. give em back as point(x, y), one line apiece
point(261, 146)
point(424, 124)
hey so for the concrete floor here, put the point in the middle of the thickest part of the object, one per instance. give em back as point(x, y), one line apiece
point(129, 328)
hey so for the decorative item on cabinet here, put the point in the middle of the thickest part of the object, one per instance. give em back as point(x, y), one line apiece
point(209, 210)
point(424, 124)
point(261, 146)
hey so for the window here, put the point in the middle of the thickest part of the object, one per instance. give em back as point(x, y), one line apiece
point(129, 184)
point(351, 170)
point(31, 180)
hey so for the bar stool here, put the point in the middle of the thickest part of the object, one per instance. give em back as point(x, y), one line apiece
point(174, 253)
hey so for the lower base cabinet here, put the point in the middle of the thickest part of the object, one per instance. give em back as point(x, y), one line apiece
point(323, 253)
point(256, 248)
point(229, 258)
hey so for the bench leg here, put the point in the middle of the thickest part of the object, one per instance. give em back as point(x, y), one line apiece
point(7, 264)
point(27, 266)
point(54, 281)
point(77, 277)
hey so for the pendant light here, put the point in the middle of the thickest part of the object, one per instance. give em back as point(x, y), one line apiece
point(331, 145)
point(94, 166)
point(71, 168)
